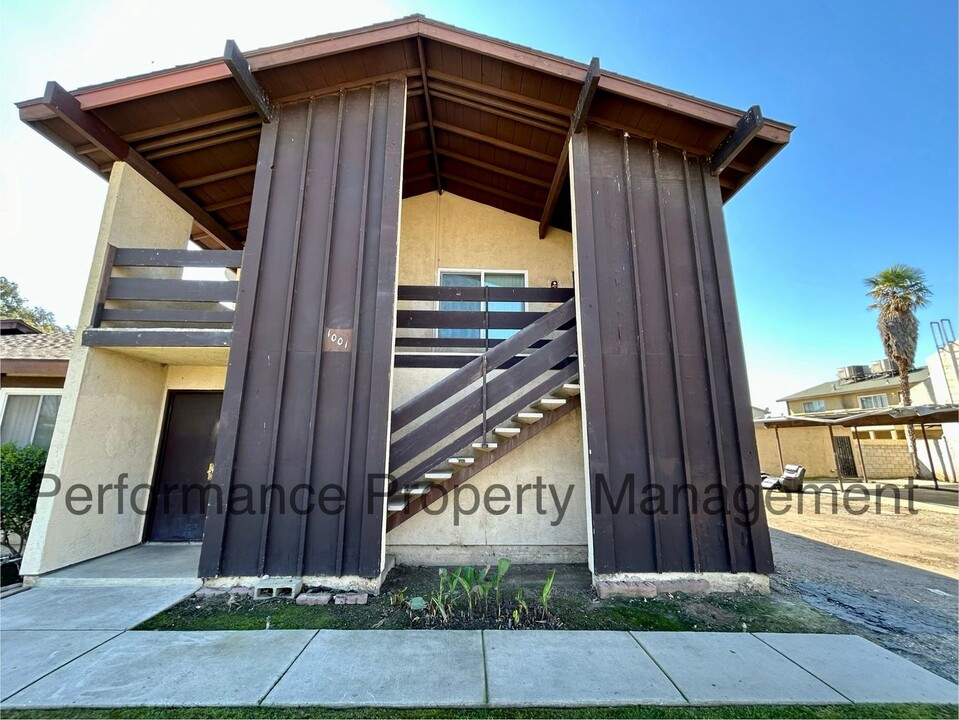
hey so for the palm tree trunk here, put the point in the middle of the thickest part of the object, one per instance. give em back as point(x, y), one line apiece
point(907, 402)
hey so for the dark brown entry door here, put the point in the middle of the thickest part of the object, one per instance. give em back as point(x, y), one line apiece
point(184, 466)
point(845, 460)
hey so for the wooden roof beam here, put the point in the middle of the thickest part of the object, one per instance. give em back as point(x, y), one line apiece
point(254, 92)
point(493, 168)
point(495, 142)
point(738, 138)
point(576, 123)
point(429, 112)
point(94, 130)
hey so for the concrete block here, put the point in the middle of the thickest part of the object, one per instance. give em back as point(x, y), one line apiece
point(357, 598)
point(89, 608)
point(170, 669)
point(861, 670)
point(386, 668)
point(320, 598)
point(28, 655)
point(277, 588)
point(534, 668)
point(731, 669)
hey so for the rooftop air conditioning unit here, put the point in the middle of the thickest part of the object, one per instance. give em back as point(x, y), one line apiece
point(883, 366)
point(852, 372)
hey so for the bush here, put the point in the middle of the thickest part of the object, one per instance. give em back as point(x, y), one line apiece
point(21, 472)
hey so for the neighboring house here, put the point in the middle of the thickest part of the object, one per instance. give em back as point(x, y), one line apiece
point(878, 451)
point(33, 366)
point(759, 412)
point(858, 388)
point(446, 247)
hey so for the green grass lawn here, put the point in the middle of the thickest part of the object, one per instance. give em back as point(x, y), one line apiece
point(738, 711)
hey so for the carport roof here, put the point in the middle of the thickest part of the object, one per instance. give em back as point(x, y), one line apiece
point(919, 414)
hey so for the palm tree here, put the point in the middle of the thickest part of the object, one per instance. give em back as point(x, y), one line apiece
point(897, 292)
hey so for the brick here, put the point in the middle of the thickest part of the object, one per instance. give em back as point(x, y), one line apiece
point(320, 598)
point(630, 589)
point(353, 598)
point(692, 585)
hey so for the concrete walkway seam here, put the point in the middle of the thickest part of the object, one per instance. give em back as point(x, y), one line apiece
point(280, 676)
point(823, 681)
point(656, 662)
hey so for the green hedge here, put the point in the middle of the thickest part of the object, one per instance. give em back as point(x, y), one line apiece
point(21, 472)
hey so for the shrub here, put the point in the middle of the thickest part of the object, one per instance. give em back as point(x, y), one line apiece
point(21, 472)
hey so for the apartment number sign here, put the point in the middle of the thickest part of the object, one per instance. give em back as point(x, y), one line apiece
point(338, 340)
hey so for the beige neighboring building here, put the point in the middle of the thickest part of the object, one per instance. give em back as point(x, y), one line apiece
point(881, 451)
point(33, 366)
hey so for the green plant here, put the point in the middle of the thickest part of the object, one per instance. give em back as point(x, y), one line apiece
point(502, 565)
point(545, 592)
point(417, 604)
point(21, 472)
point(521, 609)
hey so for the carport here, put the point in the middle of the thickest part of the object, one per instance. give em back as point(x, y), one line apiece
point(921, 415)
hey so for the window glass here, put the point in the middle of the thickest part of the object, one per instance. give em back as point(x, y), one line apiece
point(814, 406)
point(479, 278)
point(873, 402)
point(19, 417)
point(45, 420)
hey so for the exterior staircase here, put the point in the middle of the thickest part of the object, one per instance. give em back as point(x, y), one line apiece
point(481, 453)
point(491, 404)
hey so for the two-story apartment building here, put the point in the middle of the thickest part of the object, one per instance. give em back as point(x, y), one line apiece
point(348, 284)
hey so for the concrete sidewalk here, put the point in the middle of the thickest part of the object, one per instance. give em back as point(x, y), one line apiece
point(423, 668)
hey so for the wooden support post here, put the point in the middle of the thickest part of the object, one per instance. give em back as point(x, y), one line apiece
point(250, 86)
point(932, 467)
point(68, 109)
point(429, 114)
point(746, 129)
point(862, 460)
point(576, 123)
point(779, 447)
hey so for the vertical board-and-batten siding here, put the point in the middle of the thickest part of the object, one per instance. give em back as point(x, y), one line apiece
point(308, 384)
point(662, 365)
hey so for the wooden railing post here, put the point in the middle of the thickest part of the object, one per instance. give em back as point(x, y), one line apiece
point(106, 271)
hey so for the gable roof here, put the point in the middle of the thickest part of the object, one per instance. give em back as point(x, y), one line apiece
point(486, 119)
point(888, 383)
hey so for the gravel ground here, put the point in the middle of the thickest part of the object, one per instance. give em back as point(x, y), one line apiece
point(892, 577)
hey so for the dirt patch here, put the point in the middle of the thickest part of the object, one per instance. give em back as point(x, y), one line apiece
point(887, 577)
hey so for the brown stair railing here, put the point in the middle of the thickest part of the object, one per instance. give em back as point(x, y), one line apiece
point(541, 353)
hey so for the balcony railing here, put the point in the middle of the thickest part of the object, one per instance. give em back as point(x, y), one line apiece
point(144, 300)
point(452, 336)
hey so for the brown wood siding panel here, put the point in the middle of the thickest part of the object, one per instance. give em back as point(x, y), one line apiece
point(664, 385)
point(325, 248)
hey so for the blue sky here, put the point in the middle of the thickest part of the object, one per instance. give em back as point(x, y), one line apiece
point(869, 179)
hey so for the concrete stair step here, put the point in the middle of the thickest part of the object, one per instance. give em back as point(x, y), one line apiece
point(438, 475)
point(550, 403)
point(461, 461)
point(528, 418)
point(567, 390)
point(417, 489)
point(505, 431)
point(483, 446)
point(396, 503)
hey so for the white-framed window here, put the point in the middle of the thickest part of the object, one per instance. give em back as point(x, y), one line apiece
point(27, 415)
point(480, 278)
point(873, 402)
point(814, 406)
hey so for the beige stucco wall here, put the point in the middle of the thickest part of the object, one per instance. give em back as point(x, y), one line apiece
point(450, 232)
point(112, 405)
